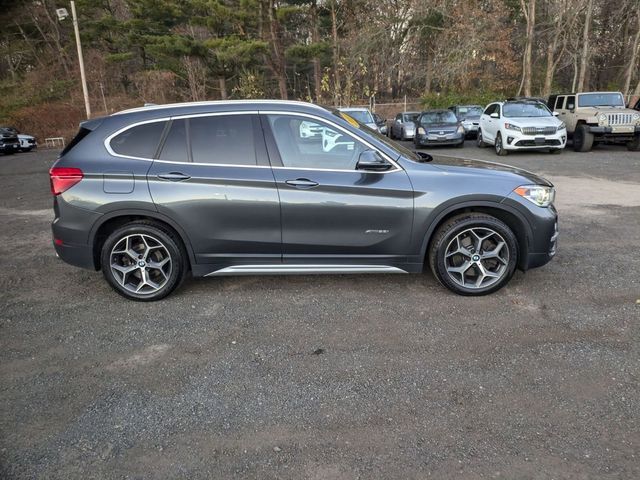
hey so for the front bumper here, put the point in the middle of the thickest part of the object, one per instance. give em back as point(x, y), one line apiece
point(622, 130)
point(434, 139)
point(514, 140)
point(9, 147)
point(471, 129)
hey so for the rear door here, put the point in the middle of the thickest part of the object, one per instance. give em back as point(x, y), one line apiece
point(212, 177)
point(332, 212)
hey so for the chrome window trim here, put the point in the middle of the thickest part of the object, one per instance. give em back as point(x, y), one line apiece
point(107, 141)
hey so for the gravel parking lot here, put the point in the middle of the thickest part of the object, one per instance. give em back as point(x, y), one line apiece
point(330, 377)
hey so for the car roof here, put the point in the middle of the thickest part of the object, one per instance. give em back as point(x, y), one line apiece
point(221, 105)
point(437, 110)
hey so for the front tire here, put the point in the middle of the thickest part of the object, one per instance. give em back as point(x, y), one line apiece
point(143, 261)
point(473, 254)
point(634, 145)
point(582, 139)
point(499, 146)
point(479, 141)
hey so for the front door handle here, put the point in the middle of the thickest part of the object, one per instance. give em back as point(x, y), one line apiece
point(302, 183)
point(174, 176)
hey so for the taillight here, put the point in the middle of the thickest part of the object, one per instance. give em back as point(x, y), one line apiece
point(62, 179)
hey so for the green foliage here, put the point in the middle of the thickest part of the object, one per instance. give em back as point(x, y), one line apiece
point(445, 100)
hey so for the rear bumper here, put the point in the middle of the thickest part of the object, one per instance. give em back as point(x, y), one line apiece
point(70, 229)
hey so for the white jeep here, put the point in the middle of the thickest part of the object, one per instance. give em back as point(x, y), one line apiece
point(593, 117)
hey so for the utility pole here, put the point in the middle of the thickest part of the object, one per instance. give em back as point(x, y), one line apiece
point(85, 91)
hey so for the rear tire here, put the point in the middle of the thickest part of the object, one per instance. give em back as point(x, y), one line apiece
point(143, 261)
point(582, 139)
point(499, 147)
point(455, 245)
point(634, 145)
point(479, 142)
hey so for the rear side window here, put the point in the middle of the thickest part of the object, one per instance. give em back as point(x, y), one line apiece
point(222, 139)
point(83, 132)
point(140, 141)
point(175, 145)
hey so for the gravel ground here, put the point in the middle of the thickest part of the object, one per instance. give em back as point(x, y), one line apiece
point(329, 377)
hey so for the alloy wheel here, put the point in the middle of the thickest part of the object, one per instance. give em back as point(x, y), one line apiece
point(140, 263)
point(477, 258)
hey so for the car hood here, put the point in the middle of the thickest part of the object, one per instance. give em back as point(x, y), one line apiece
point(482, 168)
point(533, 121)
point(470, 118)
point(408, 125)
point(25, 137)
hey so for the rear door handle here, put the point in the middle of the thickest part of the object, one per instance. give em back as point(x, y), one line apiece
point(174, 176)
point(302, 183)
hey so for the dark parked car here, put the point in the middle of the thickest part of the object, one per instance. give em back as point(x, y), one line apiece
point(469, 116)
point(231, 188)
point(438, 127)
point(9, 142)
point(381, 123)
point(27, 142)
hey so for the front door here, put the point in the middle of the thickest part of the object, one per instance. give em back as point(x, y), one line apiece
point(212, 177)
point(332, 212)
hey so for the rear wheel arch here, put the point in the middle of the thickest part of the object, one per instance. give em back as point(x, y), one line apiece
point(511, 217)
point(111, 222)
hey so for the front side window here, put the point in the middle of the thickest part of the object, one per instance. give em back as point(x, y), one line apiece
point(525, 110)
point(571, 102)
point(559, 103)
point(140, 141)
point(600, 100)
point(222, 139)
point(429, 118)
point(330, 149)
point(490, 109)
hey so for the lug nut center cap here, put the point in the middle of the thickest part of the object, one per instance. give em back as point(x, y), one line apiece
point(475, 258)
point(141, 263)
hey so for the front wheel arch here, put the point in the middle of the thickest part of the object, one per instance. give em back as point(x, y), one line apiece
point(514, 220)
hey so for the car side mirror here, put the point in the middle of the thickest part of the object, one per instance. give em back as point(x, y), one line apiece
point(555, 114)
point(571, 106)
point(494, 115)
point(424, 157)
point(373, 161)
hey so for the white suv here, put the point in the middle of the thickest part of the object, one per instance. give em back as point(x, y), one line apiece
point(521, 125)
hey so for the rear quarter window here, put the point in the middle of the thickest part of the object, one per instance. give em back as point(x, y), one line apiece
point(140, 141)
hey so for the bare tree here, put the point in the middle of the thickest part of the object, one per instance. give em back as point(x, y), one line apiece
point(584, 56)
point(631, 67)
point(529, 11)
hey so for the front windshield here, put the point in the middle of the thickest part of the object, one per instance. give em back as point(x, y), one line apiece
point(348, 117)
point(410, 117)
point(525, 110)
point(600, 100)
point(438, 117)
point(470, 111)
point(362, 116)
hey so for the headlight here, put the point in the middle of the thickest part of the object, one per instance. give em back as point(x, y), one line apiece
point(460, 129)
point(602, 118)
point(636, 117)
point(541, 195)
point(421, 131)
point(511, 126)
point(562, 126)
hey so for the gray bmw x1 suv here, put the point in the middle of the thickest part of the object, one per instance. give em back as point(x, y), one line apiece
point(235, 188)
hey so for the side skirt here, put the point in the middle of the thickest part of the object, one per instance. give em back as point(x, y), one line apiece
point(280, 269)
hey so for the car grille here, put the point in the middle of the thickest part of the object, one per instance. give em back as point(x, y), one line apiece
point(539, 130)
point(532, 143)
point(441, 132)
point(619, 119)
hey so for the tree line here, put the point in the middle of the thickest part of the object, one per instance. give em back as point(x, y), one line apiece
point(334, 52)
